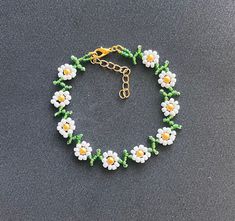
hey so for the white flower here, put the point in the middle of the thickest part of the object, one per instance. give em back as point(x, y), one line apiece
point(67, 72)
point(82, 150)
point(150, 58)
point(66, 127)
point(167, 79)
point(61, 98)
point(110, 160)
point(140, 154)
point(166, 136)
point(170, 107)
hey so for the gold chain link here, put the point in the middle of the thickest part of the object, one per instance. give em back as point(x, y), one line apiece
point(124, 93)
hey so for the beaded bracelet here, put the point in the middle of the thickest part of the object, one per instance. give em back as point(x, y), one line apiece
point(170, 107)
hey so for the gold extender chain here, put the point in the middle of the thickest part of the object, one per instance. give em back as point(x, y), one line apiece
point(124, 93)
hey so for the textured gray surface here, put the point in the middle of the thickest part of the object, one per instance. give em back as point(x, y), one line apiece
point(40, 177)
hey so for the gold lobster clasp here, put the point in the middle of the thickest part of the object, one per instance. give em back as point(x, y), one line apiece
point(100, 52)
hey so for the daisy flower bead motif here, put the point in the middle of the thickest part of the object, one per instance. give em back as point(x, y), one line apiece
point(170, 107)
point(167, 79)
point(61, 98)
point(66, 72)
point(82, 150)
point(66, 127)
point(166, 136)
point(150, 58)
point(110, 160)
point(140, 154)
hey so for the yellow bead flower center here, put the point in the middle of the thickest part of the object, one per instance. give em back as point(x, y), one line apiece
point(61, 98)
point(170, 107)
point(165, 136)
point(139, 153)
point(110, 160)
point(66, 127)
point(83, 151)
point(166, 79)
point(67, 71)
point(150, 58)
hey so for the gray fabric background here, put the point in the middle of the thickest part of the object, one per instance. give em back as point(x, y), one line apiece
point(192, 180)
